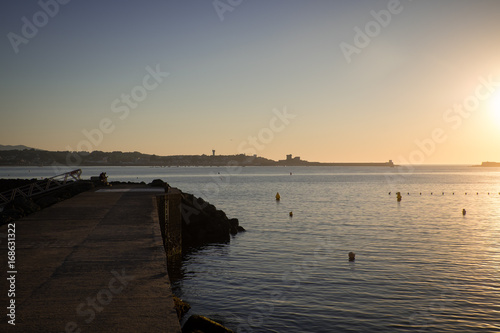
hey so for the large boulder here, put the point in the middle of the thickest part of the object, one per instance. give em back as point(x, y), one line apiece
point(157, 183)
point(8, 184)
point(203, 223)
point(201, 324)
point(23, 205)
point(17, 209)
point(181, 307)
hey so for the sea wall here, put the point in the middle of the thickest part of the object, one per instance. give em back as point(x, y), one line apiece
point(170, 217)
point(188, 222)
point(22, 206)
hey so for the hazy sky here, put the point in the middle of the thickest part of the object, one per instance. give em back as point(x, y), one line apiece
point(413, 81)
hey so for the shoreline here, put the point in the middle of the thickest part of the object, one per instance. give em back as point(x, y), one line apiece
point(277, 164)
point(488, 165)
point(32, 157)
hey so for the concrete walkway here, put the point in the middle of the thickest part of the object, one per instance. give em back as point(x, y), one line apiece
point(93, 263)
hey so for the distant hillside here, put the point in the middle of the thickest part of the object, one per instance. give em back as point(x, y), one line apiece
point(489, 164)
point(38, 157)
point(41, 157)
point(19, 147)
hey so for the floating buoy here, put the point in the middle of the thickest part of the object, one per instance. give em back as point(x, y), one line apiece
point(390, 193)
point(278, 196)
point(291, 214)
point(464, 212)
point(352, 256)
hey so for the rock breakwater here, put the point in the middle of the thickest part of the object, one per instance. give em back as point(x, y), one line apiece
point(203, 223)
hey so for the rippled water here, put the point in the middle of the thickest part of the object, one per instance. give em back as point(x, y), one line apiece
point(420, 265)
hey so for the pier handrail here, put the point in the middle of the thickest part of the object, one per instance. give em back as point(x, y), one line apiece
point(41, 186)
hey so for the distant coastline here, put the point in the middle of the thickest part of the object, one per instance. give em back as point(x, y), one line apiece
point(489, 165)
point(33, 157)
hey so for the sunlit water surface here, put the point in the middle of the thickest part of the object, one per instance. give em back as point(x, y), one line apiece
point(421, 266)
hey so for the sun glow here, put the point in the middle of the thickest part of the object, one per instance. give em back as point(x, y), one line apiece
point(495, 103)
point(495, 106)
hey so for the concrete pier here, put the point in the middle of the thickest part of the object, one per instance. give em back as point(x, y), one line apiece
point(93, 263)
point(170, 216)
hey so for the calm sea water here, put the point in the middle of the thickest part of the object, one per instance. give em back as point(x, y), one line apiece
point(421, 266)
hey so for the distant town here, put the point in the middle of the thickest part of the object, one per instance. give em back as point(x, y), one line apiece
point(35, 157)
